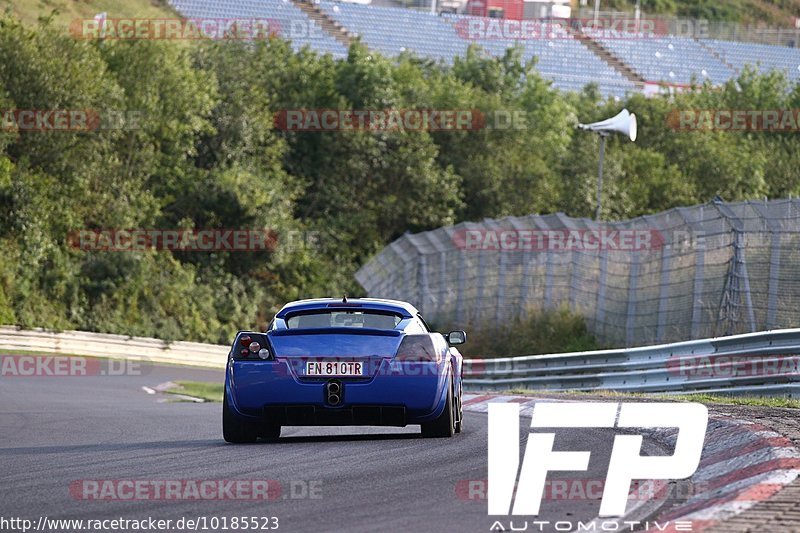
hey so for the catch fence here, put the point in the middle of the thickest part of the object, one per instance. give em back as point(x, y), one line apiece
point(687, 273)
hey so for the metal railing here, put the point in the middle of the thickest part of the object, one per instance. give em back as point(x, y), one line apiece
point(759, 364)
point(81, 343)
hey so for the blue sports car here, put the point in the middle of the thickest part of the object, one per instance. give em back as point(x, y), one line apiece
point(333, 362)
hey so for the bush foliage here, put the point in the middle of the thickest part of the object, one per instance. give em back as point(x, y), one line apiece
point(207, 155)
point(558, 331)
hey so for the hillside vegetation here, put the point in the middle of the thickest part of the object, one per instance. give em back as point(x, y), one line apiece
point(206, 154)
point(63, 12)
point(770, 12)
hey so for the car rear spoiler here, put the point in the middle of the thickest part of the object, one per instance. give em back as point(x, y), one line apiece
point(336, 331)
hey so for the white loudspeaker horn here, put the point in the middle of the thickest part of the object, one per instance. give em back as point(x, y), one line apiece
point(624, 123)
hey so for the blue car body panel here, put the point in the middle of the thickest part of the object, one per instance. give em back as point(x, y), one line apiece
point(391, 391)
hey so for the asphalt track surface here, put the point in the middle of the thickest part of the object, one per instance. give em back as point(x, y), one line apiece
point(55, 431)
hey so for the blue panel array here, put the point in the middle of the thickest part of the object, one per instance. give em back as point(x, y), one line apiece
point(391, 31)
point(292, 23)
point(561, 58)
point(765, 56)
point(666, 59)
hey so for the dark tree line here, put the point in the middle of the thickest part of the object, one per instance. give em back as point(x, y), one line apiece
point(206, 154)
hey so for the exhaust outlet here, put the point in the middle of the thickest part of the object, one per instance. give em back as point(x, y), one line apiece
point(333, 392)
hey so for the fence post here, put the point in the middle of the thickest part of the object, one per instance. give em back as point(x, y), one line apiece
point(633, 279)
point(478, 304)
point(407, 281)
point(572, 279)
point(501, 286)
point(773, 284)
point(741, 271)
point(600, 312)
point(526, 284)
point(462, 267)
point(697, 291)
point(548, 279)
point(739, 261)
point(442, 292)
point(663, 289)
point(525, 271)
point(774, 281)
point(422, 282)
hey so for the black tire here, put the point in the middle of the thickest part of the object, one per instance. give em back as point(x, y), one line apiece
point(270, 431)
point(460, 410)
point(234, 429)
point(445, 424)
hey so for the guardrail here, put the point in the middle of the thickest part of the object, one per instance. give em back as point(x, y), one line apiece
point(113, 346)
point(761, 364)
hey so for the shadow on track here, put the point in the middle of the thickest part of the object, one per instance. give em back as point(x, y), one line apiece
point(342, 438)
point(207, 443)
point(113, 447)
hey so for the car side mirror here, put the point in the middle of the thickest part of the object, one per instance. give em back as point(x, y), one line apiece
point(456, 337)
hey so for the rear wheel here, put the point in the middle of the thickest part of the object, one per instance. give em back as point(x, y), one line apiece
point(445, 424)
point(234, 429)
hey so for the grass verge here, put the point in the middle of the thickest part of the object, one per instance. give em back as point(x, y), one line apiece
point(789, 403)
point(210, 392)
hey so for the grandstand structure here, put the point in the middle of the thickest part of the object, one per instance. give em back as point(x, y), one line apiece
point(617, 63)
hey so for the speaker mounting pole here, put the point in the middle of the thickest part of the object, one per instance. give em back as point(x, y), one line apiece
point(625, 123)
point(602, 136)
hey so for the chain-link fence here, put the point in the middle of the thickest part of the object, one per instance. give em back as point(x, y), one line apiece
point(688, 273)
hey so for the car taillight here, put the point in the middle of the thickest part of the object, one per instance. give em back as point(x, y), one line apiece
point(418, 348)
point(250, 346)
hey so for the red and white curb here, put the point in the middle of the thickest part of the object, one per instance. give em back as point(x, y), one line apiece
point(743, 463)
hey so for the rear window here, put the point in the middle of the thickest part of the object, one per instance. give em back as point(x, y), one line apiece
point(343, 319)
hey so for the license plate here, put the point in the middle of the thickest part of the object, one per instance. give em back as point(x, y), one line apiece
point(334, 368)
